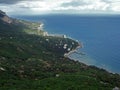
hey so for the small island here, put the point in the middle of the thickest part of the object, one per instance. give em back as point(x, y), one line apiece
point(32, 59)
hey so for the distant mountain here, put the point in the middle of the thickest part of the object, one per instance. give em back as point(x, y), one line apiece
point(30, 60)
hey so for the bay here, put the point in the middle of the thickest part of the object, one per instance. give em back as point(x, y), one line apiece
point(100, 36)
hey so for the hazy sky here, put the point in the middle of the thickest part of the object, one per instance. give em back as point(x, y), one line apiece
point(60, 6)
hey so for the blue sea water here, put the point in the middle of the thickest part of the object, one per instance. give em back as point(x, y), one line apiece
point(100, 36)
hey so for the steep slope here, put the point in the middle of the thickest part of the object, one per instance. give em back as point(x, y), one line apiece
point(5, 18)
point(37, 62)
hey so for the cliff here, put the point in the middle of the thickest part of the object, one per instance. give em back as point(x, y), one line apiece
point(5, 18)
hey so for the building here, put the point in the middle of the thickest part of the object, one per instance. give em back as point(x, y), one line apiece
point(45, 33)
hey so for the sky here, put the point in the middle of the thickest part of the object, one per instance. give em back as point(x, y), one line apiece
point(38, 7)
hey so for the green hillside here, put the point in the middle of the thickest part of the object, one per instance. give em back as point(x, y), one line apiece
point(31, 61)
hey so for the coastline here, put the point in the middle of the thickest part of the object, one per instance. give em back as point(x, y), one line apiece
point(40, 61)
point(74, 50)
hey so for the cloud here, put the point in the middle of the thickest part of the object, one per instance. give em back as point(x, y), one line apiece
point(61, 6)
point(9, 1)
point(13, 1)
point(73, 3)
point(87, 5)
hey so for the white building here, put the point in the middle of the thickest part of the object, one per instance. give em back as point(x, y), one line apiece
point(45, 33)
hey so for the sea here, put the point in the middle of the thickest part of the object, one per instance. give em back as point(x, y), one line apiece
point(99, 35)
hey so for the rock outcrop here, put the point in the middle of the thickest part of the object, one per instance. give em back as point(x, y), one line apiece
point(5, 18)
